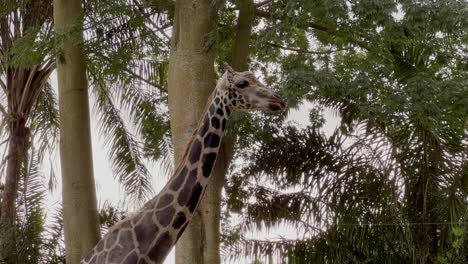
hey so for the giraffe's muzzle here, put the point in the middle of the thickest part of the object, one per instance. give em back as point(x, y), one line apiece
point(276, 103)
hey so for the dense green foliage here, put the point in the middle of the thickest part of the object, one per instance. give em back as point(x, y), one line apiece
point(390, 185)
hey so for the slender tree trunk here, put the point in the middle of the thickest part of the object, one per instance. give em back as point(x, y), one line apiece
point(241, 50)
point(210, 207)
point(79, 197)
point(17, 147)
point(191, 80)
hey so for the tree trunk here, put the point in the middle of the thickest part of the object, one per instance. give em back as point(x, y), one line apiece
point(17, 147)
point(79, 197)
point(210, 207)
point(241, 50)
point(191, 80)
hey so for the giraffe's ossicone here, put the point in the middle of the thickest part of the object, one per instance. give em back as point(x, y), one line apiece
point(147, 236)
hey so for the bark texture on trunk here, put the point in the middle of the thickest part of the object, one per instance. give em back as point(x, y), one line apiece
point(210, 208)
point(17, 148)
point(79, 197)
point(191, 81)
point(241, 50)
point(24, 87)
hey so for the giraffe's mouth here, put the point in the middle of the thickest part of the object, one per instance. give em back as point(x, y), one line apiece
point(276, 103)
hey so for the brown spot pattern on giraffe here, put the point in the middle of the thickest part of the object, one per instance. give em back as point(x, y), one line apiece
point(228, 110)
point(212, 109)
point(116, 255)
point(163, 244)
point(208, 162)
point(205, 127)
point(179, 220)
point(88, 257)
point(126, 224)
point(165, 200)
point(195, 197)
point(131, 259)
point(143, 261)
point(102, 257)
point(100, 246)
point(181, 231)
point(93, 260)
point(186, 191)
point(165, 216)
point(223, 126)
point(126, 240)
point(137, 217)
point(215, 122)
point(111, 239)
point(211, 140)
point(177, 182)
point(195, 151)
point(145, 232)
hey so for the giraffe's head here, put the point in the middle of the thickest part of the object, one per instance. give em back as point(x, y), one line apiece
point(245, 93)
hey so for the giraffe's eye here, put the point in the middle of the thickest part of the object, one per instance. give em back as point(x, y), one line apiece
point(242, 84)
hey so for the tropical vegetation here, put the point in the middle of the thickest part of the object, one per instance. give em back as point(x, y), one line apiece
point(388, 183)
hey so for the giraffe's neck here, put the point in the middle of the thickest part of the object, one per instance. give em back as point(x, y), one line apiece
point(149, 234)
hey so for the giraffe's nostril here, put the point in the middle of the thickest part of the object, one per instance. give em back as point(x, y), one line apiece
point(275, 107)
point(283, 104)
point(276, 103)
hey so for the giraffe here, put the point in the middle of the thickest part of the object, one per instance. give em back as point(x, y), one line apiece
point(147, 236)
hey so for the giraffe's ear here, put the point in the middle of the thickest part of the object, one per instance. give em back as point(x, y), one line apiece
point(229, 69)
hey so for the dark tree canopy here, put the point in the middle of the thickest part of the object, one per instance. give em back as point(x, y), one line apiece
point(390, 185)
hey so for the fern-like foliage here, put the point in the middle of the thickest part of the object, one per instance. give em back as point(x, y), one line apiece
point(128, 82)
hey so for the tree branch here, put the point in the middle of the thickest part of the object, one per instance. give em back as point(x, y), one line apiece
point(161, 30)
point(313, 25)
point(262, 13)
point(2, 109)
point(319, 27)
point(300, 50)
point(265, 2)
point(3, 85)
point(136, 76)
point(257, 5)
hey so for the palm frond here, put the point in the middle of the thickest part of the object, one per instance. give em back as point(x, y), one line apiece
point(22, 241)
point(125, 150)
point(323, 170)
point(167, 158)
point(31, 186)
point(53, 247)
point(151, 121)
point(45, 124)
